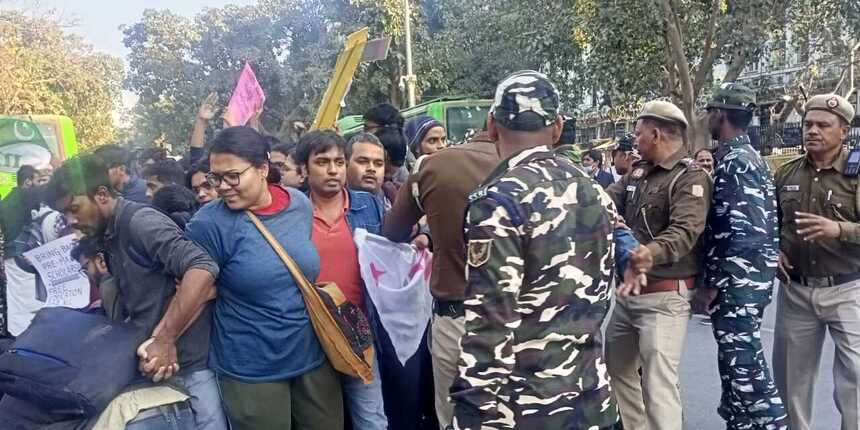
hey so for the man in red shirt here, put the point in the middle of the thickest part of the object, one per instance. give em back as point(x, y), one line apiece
point(337, 212)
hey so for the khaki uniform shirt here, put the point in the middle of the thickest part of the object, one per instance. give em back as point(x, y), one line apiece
point(800, 187)
point(443, 184)
point(669, 226)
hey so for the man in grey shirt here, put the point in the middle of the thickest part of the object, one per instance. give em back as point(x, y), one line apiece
point(147, 254)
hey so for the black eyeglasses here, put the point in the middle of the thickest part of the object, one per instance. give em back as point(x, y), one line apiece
point(230, 178)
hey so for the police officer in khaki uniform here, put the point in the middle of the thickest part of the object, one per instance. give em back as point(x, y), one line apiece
point(665, 201)
point(820, 257)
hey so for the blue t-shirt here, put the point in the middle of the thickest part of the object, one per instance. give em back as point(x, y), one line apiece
point(261, 329)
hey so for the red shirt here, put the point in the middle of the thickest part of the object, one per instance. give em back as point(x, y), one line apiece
point(280, 201)
point(338, 254)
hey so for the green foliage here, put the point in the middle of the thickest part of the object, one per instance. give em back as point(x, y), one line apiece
point(46, 70)
point(606, 56)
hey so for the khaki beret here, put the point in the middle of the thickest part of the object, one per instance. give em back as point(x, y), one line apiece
point(663, 111)
point(832, 103)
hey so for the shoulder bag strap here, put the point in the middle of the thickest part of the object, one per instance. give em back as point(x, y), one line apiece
point(300, 278)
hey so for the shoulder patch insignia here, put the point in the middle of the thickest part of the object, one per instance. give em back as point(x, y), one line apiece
point(638, 173)
point(479, 252)
point(698, 190)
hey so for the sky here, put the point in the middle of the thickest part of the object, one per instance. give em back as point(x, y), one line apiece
point(98, 21)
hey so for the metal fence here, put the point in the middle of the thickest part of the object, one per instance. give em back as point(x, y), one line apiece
point(786, 137)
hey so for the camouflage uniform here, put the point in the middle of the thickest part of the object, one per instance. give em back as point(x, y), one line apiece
point(540, 255)
point(741, 262)
point(742, 252)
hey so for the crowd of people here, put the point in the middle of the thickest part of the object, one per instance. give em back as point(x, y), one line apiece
point(532, 240)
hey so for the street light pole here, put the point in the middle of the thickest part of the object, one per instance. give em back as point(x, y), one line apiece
point(851, 67)
point(410, 78)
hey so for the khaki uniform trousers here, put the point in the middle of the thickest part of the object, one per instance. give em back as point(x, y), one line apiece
point(445, 334)
point(803, 316)
point(647, 332)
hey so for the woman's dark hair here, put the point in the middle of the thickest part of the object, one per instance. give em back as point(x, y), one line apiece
point(386, 115)
point(247, 144)
point(318, 141)
point(177, 202)
point(201, 166)
point(394, 142)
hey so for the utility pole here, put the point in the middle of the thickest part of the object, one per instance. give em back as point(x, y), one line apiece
point(410, 77)
point(851, 67)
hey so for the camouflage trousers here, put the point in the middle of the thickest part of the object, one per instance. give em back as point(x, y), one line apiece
point(750, 399)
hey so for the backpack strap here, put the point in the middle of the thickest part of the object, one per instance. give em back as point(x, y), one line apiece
point(136, 254)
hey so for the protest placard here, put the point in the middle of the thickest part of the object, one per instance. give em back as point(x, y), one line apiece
point(247, 99)
point(64, 282)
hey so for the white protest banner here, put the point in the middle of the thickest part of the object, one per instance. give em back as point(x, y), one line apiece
point(62, 276)
point(397, 277)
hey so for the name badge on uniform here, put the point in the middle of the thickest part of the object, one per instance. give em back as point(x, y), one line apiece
point(631, 188)
point(791, 188)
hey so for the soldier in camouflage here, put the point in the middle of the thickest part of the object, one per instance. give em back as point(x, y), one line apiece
point(742, 236)
point(539, 262)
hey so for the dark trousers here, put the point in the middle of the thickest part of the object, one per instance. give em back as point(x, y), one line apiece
point(312, 401)
point(750, 399)
point(406, 390)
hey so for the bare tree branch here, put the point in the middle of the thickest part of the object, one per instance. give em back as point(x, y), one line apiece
point(676, 51)
point(711, 50)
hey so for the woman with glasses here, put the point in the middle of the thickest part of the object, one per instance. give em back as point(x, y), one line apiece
point(272, 371)
point(203, 192)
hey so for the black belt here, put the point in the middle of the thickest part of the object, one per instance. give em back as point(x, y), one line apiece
point(825, 281)
point(157, 411)
point(449, 308)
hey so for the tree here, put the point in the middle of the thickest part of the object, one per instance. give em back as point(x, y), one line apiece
point(46, 70)
point(291, 45)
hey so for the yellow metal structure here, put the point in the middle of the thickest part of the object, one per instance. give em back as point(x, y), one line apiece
point(347, 62)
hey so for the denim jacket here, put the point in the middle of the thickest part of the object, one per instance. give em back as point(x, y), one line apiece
point(365, 211)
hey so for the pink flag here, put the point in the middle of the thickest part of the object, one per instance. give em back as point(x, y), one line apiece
point(247, 99)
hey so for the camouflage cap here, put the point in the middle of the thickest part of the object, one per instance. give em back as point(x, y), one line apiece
point(624, 143)
point(663, 111)
point(733, 96)
point(832, 103)
point(526, 101)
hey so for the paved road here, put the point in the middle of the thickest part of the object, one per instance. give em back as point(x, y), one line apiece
point(701, 384)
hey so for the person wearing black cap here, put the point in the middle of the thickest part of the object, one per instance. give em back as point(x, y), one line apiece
point(665, 202)
point(742, 238)
point(623, 157)
point(539, 256)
